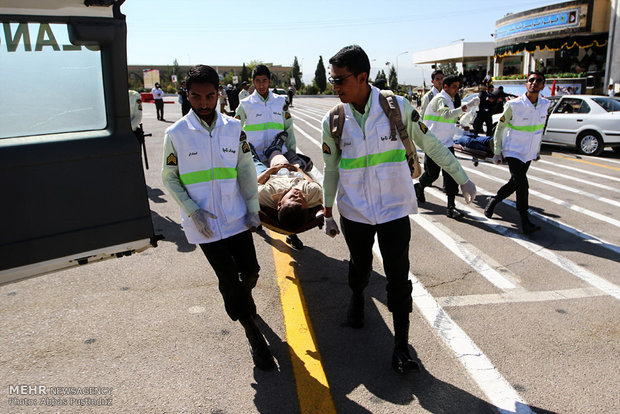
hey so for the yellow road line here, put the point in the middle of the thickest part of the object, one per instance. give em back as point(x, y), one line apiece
point(587, 162)
point(312, 387)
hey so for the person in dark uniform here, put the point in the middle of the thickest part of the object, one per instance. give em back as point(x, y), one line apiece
point(185, 105)
point(502, 98)
point(485, 111)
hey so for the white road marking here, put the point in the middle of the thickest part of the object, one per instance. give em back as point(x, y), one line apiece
point(305, 134)
point(580, 170)
point(579, 180)
point(310, 125)
point(462, 249)
point(519, 296)
point(479, 367)
point(586, 237)
point(564, 187)
point(560, 261)
point(563, 203)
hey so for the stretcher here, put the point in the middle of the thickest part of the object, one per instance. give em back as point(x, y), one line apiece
point(269, 219)
point(477, 152)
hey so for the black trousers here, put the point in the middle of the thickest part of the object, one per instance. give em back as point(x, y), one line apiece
point(518, 182)
point(394, 237)
point(236, 267)
point(483, 117)
point(431, 173)
point(159, 107)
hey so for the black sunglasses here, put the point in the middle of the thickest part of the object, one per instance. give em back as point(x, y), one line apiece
point(537, 80)
point(338, 80)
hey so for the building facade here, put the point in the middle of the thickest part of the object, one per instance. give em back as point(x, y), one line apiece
point(567, 40)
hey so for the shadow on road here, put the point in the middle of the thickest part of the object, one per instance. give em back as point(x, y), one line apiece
point(356, 362)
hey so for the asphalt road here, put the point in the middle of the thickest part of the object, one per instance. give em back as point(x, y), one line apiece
point(501, 322)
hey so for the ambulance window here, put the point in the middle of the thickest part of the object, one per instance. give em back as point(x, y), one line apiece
point(48, 84)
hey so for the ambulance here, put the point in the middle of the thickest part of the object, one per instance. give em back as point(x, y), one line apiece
point(72, 187)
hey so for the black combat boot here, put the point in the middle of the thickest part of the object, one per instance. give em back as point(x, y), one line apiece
point(488, 210)
point(452, 211)
point(419, 193)
point(295, 242)
point(276, 144)
point(261, 355)
point(527, 227)
point(355, 313)
point(402, 362)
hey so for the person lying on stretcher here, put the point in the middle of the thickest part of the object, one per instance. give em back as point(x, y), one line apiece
point(473, 141)
point(287, 189)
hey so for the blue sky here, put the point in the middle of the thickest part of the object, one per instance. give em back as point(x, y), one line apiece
point(230, 33)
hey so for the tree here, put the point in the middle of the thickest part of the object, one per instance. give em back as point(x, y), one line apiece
point(296, 73)
point(380, 75)
point(245, 75)
point(448, 68)
point(319, 75)
point(393, 79)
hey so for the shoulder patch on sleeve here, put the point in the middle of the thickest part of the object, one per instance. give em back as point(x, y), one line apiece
point(502, 119)
point(245, 147)
point(242, 137)
point(171, 159)
point(415, 115)
point(326, 149)
point(423, 127)
point(287, 115)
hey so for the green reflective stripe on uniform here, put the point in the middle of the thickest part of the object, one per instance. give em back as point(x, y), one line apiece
point(208, 175)
point(438, 118)
point(373, 159)
point(263, 127)
point(527, 128)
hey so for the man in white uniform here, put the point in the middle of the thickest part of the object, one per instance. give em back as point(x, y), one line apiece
point(208, 171)
point(368, 171)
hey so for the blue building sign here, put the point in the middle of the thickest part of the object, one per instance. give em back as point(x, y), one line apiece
point(563, 19)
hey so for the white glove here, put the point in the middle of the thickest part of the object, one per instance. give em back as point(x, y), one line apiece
point(331, 228)
point(474, 102)
point(498, 159)
point(469, 191)
point(200, 218)
point(252, 220)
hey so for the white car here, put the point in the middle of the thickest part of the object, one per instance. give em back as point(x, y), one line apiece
point(587, 122)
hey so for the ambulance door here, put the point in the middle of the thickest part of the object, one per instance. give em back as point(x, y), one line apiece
point(72, 188)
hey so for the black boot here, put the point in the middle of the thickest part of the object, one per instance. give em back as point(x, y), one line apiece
point(276, 144)
point(419, 193)
point(402, 361)
point(355, 314)
point(452, 211)
point(261, 355)
point(295, 242)
point(488, 210)
point(527, 227)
